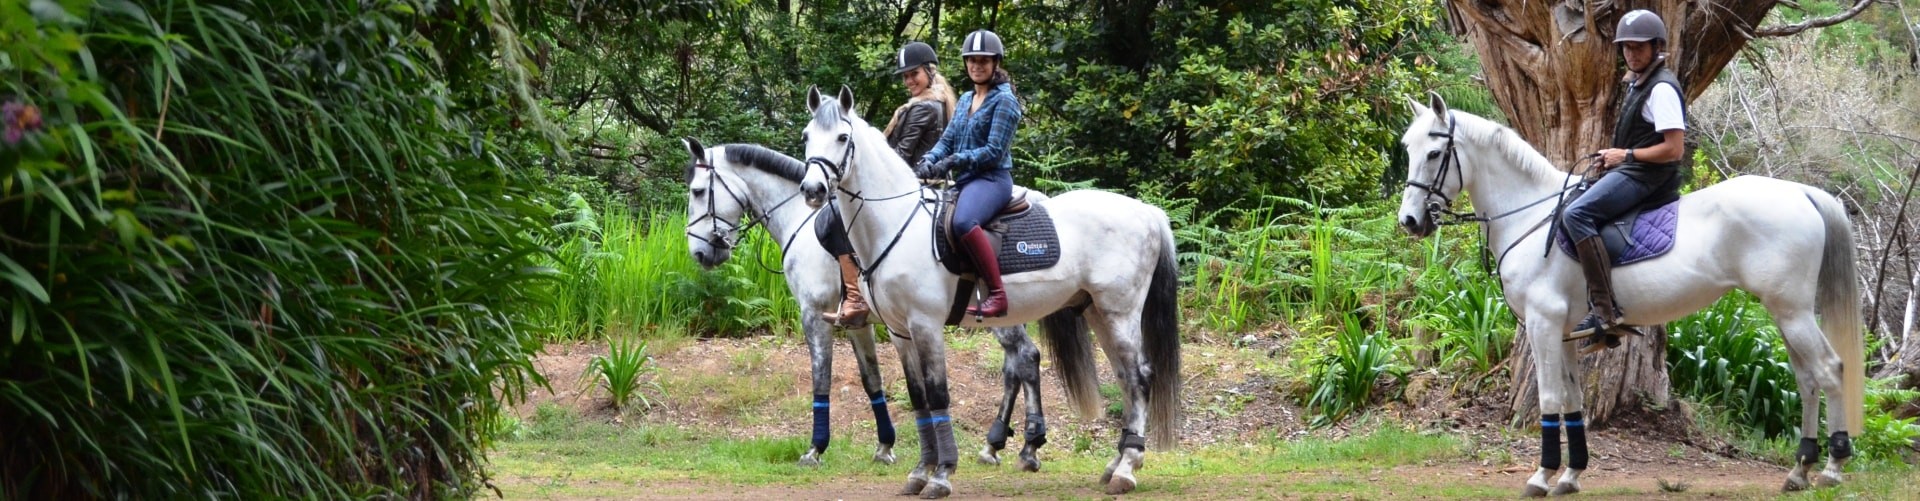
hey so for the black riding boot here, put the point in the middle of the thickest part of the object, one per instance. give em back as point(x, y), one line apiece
point(1604, 318)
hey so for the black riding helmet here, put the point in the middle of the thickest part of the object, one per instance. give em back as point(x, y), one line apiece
point(914, 55)
point(983, 43)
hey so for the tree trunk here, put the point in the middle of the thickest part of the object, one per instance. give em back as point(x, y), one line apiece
point(1556, 75)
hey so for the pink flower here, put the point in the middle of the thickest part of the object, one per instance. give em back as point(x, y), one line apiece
point(16, 120)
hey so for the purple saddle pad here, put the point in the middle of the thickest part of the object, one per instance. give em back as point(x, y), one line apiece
point(1650, 236)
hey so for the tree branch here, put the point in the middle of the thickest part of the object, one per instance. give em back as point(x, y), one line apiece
point(1794, 29)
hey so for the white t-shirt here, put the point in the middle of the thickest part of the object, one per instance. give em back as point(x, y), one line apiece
point(1663, 109)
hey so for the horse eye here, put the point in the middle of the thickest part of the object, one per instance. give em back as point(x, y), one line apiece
point(1433, 154)
point(805, 136)
point(699, 192)
point(843, 138)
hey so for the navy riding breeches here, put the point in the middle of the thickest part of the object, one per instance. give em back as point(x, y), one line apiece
point(979, 200)
point(1614, 194)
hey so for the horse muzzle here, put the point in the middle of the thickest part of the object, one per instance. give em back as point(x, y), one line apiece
point(1416, 227)
point(815, 193)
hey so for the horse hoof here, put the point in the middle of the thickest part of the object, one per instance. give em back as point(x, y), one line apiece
point(810, 460)
point(1565, 488)
point(987, 458)
point(937, 490)
point(1029, 464)
point(916, 481)
point(913, 487)
point(1534, 491)
point(1121, 484)
point(1794, 485)
point(883, 457)
point(937, 487)
point(1825, 479)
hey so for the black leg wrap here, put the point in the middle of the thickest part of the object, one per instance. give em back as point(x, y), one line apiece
point(1576, 441)
point(929, 450)
point(1841, 445)
point(1131, 440)
point(1036, 430)
point(1809, 452)
point(1550, 441)
point(997, 436)
point(948, 454)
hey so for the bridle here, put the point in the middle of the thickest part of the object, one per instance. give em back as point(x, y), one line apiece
point(1433, 187)
point(750, 219)
point(1442, 213)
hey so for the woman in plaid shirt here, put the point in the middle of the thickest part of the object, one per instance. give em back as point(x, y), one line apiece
point(978, 149)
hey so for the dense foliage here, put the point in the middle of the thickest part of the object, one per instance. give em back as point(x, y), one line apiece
point(260, 249)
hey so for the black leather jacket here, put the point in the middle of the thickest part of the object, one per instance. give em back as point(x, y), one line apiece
point(918, 130)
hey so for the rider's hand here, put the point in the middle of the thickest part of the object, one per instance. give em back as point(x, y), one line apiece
point(1612, 157)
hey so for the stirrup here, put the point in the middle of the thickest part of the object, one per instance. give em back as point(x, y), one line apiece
point(1610, 338)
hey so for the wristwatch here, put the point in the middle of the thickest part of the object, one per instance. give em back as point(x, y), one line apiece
point(1629, 155)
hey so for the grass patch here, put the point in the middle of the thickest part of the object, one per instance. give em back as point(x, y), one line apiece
point(726, 394)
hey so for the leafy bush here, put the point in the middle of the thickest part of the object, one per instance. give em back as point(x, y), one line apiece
point(1888, 438)
point(1346, 380)
point(262, 249)
point(1731, 355)
point(626, 269)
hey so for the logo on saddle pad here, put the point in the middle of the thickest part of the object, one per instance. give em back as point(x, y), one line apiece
point(1031, 249)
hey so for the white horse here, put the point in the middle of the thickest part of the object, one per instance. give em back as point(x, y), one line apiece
point(1760, 234)
point(724, 184)
point(1116, 272)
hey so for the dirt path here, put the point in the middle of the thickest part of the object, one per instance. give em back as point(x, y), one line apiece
point(760, 388)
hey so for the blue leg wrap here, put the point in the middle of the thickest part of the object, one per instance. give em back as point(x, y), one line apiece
point(821, 429)
point(882, 420)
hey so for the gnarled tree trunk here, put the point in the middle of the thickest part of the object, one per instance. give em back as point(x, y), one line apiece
point(1553, 70)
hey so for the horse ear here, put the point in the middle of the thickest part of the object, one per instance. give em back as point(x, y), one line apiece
point(813, 98)
point(846, 100)
point(693, 147)
point(1439, 105)
point(1415, 106)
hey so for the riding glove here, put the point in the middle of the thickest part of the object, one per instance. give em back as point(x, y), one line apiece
point(934, 170)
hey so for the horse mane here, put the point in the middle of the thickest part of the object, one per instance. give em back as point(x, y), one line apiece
point(767, 160)
point(1509, 145)
point(828, 112)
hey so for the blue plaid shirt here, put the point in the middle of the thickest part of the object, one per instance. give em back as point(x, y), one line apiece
point(981, 143)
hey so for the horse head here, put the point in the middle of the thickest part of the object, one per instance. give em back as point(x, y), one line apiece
point(716, 205)
point(829, 144)
point(1434, 179)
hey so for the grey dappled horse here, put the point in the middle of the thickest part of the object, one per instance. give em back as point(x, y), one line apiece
point(735, 186)
point(1116, 272)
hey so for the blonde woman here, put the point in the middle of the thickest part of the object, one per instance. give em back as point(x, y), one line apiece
point(916, 126)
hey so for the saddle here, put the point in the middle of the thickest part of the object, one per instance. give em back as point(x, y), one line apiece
point(1022, 233)
point(1642, 233)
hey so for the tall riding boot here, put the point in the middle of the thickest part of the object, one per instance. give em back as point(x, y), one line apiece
point(853, 308)
point(1605, 316)
point(988, 266)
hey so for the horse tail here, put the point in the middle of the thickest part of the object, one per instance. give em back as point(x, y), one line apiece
point(1072, 351)
point(1160, 330)
point(1839, 305)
